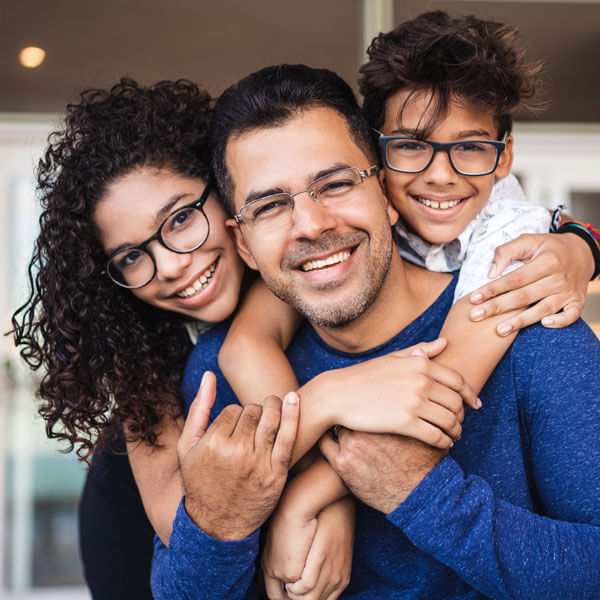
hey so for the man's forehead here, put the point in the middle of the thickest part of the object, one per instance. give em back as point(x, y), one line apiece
point(290, 155)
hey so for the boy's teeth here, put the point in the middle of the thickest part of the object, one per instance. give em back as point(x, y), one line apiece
point(326, 262)
point(201, 282)
point(434, 204)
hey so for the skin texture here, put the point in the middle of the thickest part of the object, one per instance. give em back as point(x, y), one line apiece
point(133, 208)
point(440, 182)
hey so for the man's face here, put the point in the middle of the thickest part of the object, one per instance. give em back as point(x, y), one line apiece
point(329, 262)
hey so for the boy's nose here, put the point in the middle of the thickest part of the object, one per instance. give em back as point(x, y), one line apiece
point(310, 219)
point(169, 264)
point(440, 171)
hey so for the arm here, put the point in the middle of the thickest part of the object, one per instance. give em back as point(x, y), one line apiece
point(261, 330)
point(502, 549)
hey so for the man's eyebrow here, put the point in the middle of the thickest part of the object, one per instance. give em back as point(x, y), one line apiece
point(159, 217)
point(258, 194)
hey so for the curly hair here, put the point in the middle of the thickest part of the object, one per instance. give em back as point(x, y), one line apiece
point(108, 359)
point(478, 62)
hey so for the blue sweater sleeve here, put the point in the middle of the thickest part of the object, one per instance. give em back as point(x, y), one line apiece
point(196, 566)
point(506, 551)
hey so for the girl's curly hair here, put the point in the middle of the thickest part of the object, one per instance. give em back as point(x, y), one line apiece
point(480, 62)
point(108, 358)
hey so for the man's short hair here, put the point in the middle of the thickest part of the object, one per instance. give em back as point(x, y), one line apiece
point(467, 59)
point(272, 96)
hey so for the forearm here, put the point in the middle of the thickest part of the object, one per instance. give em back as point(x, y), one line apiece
point(198, 567)
point(502, 550)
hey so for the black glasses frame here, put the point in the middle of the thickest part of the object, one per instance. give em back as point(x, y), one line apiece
point(384, 140)
point(197, 204)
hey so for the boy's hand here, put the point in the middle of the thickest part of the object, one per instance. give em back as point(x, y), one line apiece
point(327, 568)
point(404, 393)
point(556, 274)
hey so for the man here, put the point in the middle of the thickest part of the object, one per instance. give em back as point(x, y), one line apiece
point(513, 511)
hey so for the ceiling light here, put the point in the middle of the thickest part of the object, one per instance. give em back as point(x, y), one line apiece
point(32, 57)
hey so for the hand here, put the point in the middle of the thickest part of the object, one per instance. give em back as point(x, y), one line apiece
point(404, 393)
point(380, 470)
point(329, 562)
point(555, 276)
point(234, 471)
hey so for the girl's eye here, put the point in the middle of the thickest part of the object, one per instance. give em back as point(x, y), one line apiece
point(181, 218)
point(128, 259)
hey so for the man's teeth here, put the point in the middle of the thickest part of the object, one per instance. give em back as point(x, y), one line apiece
point(326, 262)
point(434, 204)
point(200, 283)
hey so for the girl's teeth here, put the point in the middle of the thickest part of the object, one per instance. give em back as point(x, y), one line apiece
point(201, 282)
point(331, 260)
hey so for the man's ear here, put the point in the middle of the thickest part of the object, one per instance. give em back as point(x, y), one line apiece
point(506, 159)
point(391, 211)
point(240, 244)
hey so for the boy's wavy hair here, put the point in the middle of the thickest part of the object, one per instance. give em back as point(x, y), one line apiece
point(479, 63)
point(108, 359)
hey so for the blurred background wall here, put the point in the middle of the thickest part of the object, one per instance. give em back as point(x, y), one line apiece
point(94, 43)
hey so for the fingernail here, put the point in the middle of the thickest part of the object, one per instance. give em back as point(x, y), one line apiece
point(478, 404)
point(291, 398)
point(476, 297)
point(203, 378)
point(504, 329)
point(492, 271)
point(477, 313)
point(547, 321)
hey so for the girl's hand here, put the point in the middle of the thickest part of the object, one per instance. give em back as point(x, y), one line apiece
point(404, 393)
point(327, 567)
point(556, 274)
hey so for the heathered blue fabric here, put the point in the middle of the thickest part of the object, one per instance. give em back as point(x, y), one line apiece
point(513, 512)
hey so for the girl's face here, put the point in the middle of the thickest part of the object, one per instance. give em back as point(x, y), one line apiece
point(132, 210)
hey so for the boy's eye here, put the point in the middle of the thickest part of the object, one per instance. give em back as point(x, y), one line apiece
point(408, 146)
point(468, 147)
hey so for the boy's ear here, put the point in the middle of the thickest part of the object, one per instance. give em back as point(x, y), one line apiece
point(506, 159)
point(240, 244)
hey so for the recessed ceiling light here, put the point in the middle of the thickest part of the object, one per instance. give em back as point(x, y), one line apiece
point(32, 57)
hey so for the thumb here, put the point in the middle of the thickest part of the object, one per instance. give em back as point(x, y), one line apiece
point(329, 448)
point(198, 417)
point(520, 248)
point(428, 349)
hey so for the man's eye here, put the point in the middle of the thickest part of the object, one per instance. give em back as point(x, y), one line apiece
point(332, 188)
point(270, 208)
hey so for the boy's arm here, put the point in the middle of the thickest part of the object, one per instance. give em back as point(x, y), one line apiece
point(251, 358)
point(157, 476)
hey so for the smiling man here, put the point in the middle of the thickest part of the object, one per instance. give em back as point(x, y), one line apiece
point(512, 511)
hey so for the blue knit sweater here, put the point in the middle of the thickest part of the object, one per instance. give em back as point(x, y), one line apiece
point(513, 512)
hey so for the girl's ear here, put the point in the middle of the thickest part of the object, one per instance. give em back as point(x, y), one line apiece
point(240, 244)
point(506, 159)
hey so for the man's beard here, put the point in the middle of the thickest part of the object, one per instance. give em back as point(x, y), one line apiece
point(333, 314)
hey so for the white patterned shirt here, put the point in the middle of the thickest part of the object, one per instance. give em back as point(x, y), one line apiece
point(506, 215)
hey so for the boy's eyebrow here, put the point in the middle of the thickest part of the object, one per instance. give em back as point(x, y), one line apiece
point(459, 135)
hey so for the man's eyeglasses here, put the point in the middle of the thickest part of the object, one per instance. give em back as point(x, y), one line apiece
point(184, 230)
point(276, 210)
point(467, 157)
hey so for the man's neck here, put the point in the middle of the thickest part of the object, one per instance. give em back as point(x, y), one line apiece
point(407, 291)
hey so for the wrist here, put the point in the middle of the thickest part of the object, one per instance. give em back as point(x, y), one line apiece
point(220, 527)
point(587, 239)
point(319, 398)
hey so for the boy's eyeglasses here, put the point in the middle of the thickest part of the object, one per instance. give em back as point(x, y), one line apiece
point(184, 230)
point(275, 211)
point(467, 157)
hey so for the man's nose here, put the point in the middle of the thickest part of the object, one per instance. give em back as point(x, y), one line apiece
point(440, 171)
point(169, 264)
point(309, 218)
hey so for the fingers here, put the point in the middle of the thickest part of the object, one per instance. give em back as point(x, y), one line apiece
point(268, 424)
point(522, 248)
point(288, 428)
point(570, 313)
point(329, 448)
point(455, 381)
point(198, 417)
point(274, 588)
point(426, 349)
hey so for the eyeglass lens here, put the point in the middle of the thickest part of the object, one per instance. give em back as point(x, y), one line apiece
point(468, 158)
point(276, 210)
point(183, 231)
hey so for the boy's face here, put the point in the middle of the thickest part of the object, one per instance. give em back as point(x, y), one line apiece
point(438, 203)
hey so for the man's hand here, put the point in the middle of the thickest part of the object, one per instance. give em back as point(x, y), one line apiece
point(234, 471)
point(381, 470)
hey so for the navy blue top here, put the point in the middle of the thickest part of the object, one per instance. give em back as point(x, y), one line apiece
point(513, 512)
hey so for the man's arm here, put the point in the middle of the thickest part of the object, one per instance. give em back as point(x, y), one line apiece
point(233, 472)
point(501, 549)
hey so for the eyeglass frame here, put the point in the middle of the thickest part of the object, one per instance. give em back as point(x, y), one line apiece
point(383, 141)
point(143, 246)
point(364, 173)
